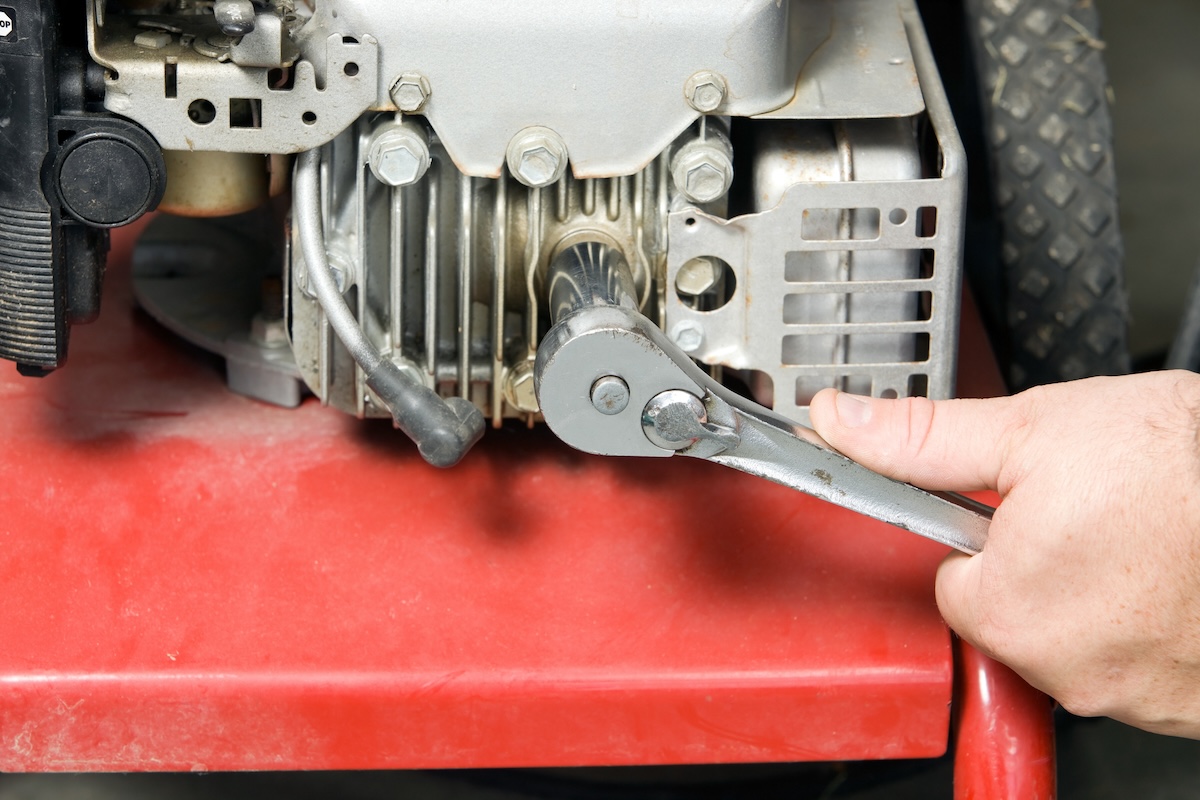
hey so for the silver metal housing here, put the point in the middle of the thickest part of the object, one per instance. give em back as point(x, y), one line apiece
point(840, 265)
point(617, 80)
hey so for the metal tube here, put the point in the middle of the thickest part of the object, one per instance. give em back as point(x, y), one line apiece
point(396, 264)
point(466, 257)
point(499, 283)
point(307, 211)
point(431, 274)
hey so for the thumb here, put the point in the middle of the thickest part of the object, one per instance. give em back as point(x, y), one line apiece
point(947, 444)
point(957, 586)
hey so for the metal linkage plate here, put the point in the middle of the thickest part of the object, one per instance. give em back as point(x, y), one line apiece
point(175, 75)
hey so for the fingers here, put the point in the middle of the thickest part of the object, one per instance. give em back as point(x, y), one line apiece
point(957, 586)
point(950, 444)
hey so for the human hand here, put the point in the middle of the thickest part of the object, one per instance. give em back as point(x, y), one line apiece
point(1089, 585)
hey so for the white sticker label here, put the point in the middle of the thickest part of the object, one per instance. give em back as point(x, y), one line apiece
point(6, 25)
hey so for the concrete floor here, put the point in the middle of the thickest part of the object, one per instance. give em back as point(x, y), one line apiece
point(1154, 60)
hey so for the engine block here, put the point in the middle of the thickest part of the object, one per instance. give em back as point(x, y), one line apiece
point(783, 180)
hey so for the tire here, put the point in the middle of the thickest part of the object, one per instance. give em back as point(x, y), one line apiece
point(1044, 93)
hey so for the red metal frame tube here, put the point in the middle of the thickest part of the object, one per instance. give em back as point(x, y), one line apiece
point(1004, 733)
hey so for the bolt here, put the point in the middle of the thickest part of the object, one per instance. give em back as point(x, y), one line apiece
point(697, 276)
point(410, 92)
point(673, 419)
point(705, 182)
point(266, 332)
point(415, 373)
point(703, 170)
point(610, 395)
point(705, 91)
point(519, 388)
point(688, 335)
point(537, 156)
point(398, 154)
point(341, 276)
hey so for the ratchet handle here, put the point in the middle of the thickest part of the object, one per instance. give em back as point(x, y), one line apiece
point(794, 456)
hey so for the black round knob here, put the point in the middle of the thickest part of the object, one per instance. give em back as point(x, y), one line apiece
point(107, 179)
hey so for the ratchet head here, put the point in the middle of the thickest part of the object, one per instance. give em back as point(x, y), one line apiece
point(610, 382)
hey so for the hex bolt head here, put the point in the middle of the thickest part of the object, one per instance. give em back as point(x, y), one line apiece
point(519, 389)
point(268, 333)
point(610, 395)
point(410, 92)
point(697, 276)
point(340, 273)
point(703, 171)
point(705, 91)
point(706, 182)
point(688, 335)
point(398, 154)
point(537, 157)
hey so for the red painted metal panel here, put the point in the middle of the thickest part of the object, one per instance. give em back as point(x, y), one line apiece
point(193, 580)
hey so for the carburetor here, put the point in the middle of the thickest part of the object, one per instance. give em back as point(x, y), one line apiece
point(777, 186)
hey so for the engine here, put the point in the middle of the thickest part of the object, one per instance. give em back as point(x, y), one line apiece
point(777, 186)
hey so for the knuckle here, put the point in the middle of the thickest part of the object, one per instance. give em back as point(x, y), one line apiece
point(991, 639)
point(917, 419)
point(1082, 702)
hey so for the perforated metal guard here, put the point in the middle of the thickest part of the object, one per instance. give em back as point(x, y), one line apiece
point(919, 222)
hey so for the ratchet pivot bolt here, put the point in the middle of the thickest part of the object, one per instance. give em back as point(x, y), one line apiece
point(610, 395)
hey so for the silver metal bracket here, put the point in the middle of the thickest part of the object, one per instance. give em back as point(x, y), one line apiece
point(183, 80)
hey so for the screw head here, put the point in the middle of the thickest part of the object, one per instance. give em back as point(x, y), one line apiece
point(519, 389)
point(537, 157)
point(341, 275)
point(705, 91)
point(702, 171)
point(399, 155)
point(688, 335)
point(610, 395)
point(704, 182)
point(538, 166)
point(697, 276)
point(410, 92)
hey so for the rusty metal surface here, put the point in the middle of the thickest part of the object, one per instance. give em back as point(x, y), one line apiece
point(853, 61)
